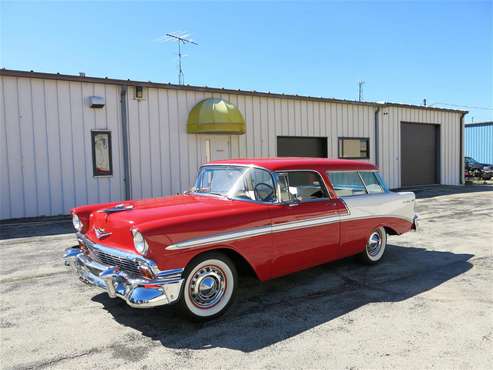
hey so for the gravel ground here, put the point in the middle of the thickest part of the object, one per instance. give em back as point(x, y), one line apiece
point(428, 304)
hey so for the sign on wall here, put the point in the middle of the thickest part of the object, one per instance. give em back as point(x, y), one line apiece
point(101, 153)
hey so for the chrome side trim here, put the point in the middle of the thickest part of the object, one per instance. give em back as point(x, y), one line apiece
point(218, 238)
point(263, 230)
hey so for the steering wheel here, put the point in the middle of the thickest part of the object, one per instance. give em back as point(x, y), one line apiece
point(268, 196)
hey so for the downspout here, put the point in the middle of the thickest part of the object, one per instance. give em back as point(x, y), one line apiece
point(377, 132)
point(461, 159)
point(125, 144)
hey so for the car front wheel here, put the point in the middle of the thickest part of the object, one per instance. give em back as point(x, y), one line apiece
point(210, 286)
point(375, 246)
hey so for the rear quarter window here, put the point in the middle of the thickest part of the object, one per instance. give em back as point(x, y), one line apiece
point(347, 183)
point(371, 181)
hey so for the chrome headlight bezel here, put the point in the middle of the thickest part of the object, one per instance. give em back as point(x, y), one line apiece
point(77, 223)
point(140, 244)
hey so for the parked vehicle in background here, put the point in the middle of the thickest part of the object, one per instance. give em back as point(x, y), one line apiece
point(270, 216)
point(475, 169)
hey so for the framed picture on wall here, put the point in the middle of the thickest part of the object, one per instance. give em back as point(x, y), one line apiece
point(102, 164)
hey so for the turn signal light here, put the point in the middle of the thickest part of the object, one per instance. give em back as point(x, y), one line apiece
point(146, 272)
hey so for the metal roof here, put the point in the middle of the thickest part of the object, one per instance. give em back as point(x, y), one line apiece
point(75, 78)
point(478, 124)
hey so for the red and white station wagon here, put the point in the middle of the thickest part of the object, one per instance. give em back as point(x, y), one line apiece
point(275, 216)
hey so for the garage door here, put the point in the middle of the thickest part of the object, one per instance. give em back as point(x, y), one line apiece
point(295, 146)
point(419, 154)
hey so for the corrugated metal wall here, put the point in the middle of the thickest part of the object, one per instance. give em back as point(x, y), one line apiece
point(46, 159)
point(390, 142)
point(479, 142)
point(164, 158)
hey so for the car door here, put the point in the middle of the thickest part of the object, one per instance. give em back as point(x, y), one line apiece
point(305, 228)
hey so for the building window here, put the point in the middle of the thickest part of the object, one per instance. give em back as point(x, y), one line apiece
point(102, 164)
point(354, 148)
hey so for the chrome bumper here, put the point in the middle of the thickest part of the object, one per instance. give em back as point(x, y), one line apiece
point(137, 292)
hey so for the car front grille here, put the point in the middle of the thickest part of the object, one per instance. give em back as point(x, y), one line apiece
point(107, 258)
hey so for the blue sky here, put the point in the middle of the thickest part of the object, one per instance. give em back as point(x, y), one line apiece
point(405, 51)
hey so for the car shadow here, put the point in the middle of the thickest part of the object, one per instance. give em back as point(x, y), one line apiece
point(266, 313)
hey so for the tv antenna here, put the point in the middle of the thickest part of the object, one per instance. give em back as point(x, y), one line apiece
point(181, 39)
point(360, 90)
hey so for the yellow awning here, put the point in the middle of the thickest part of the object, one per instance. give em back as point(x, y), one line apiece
point(215, 116)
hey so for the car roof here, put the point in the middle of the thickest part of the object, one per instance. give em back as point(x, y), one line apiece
point(293, 163)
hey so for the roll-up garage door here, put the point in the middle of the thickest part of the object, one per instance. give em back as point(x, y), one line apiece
point(420, 160)
point(295, 146)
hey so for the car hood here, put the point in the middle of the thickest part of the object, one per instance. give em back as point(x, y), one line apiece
point(156, 214)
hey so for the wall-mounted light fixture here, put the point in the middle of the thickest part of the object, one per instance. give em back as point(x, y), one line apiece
point(96, 101)
point(139, 92)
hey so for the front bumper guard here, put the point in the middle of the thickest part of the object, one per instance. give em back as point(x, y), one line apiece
point(137, 292)
point(415, 225)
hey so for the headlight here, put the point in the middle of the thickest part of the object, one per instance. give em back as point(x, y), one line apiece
point(139, 242)
point(78, 225)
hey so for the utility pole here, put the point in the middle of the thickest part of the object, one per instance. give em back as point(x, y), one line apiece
point(180, 40)
point(360, 90)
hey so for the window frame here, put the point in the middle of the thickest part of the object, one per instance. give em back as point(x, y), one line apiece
point(377, 176)
point(95, 172)
point(323, 184)
point(342, 138)
point(379, 182)
point(274, 182)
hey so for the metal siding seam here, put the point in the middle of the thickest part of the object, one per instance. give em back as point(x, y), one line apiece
point(36, 185)
point(50, 206)
point(159, 123)
point(6, 148)
point(151, 174)
point(84, 141)
point(169, 142)
point(112, 144)
point(21, 151)
point(62, 185)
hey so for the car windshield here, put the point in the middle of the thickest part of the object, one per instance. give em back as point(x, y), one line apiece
point(236, 182)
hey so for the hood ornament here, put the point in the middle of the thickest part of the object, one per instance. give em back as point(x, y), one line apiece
point(101, 233)
point(118, 208)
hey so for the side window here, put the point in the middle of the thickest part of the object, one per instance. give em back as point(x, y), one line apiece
point(371, 182)
point(347, 183)
point(261, 185)
point(302, 185)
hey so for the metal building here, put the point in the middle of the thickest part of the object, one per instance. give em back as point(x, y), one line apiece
point(70, 140)
point(479, 141)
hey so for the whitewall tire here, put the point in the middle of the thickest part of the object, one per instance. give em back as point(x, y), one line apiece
point(375, 246)
point(210, 285)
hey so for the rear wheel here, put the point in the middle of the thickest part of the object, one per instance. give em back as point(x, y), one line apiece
point(375, 246)
point(210, 285)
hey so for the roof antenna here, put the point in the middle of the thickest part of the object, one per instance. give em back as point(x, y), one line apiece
point(360, 90)
point(181, 39)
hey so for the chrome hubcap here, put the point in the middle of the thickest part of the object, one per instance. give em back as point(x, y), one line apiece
point(207, 286)
point(374, 244)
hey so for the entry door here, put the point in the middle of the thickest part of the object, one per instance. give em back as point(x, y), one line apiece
point(215, 147)
point(305, 232)
point(420, 160)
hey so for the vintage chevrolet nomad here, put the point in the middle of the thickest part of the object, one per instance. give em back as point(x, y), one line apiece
point(269, 216)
